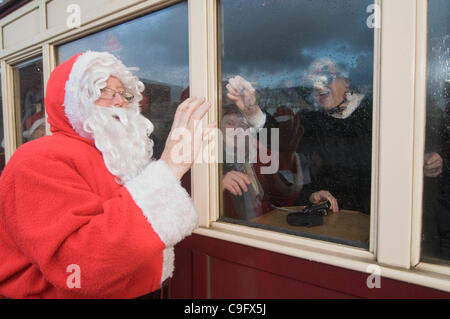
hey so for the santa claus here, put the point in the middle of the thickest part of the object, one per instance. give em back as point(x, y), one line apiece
point(87, 212)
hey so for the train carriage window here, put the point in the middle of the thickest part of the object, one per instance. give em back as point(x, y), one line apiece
point(158, 45)
point(296, 98)
point(29, 100)
point(436, 192)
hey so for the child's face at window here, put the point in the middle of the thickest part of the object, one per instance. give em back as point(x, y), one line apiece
point(233, 120)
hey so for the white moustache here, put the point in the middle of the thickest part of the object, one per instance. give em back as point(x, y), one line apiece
point(122, 135)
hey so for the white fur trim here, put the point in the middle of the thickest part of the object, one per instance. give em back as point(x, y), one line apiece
point(71, 99)
point(36, 124)
point(284, 118)
point(352, 106)
point(168, 263)
point(167, 206)
point(164, 202)
point(258, 120)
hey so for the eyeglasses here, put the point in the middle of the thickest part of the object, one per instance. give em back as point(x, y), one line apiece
point(109, 94)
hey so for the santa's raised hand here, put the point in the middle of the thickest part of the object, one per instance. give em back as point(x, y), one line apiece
point(242, 93)
point(186, 134)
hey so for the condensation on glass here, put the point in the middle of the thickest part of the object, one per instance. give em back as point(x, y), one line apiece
point(296, 90)
point(29, 100)
point(158, 45)
point(436, 184)
point(2, 134)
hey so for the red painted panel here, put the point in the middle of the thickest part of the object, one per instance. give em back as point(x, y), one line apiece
point(231, 280)
point(201, 275)
point(223, 267)
point(182, 283)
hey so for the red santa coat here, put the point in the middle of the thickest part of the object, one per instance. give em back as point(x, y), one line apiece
point(60, 206)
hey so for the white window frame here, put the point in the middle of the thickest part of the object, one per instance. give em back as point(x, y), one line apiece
point(397, 151)
point(401, 49)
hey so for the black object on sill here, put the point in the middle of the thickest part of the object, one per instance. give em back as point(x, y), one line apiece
point(320, 208)
point(310, 216)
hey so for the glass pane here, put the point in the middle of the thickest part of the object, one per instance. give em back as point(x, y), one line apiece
point(305, 81)
point(158, 44)
point(2, 133)
point(29, 97)
point(436, 192)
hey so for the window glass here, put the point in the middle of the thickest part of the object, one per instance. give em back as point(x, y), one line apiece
point(157, 44)
point(436, 192)
point(2, 134)
point(29, 100)
point(297, 79)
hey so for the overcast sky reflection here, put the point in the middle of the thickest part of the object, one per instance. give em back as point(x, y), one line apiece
point(271, 42)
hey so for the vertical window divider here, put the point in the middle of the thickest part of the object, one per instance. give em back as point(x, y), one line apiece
point(203, 82)
point(419, 127)
point(16, 106)
point(48, 63)
point(396, 138)
point(8, 109)
point(375, 134)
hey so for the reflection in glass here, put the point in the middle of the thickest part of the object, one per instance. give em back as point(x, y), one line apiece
point(29, 93)
point(306, 79)
point(158, 45)
point(436, 192)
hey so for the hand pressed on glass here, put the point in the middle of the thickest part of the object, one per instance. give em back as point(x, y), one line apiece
point(242, 93)
point(186, 130)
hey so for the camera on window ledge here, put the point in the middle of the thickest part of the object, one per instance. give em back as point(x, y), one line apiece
point(310, 216)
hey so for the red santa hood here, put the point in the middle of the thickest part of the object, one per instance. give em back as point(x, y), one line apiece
point(71, 90)
point(54, 98)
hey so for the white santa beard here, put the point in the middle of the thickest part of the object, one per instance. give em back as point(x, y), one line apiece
point(122, 135)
